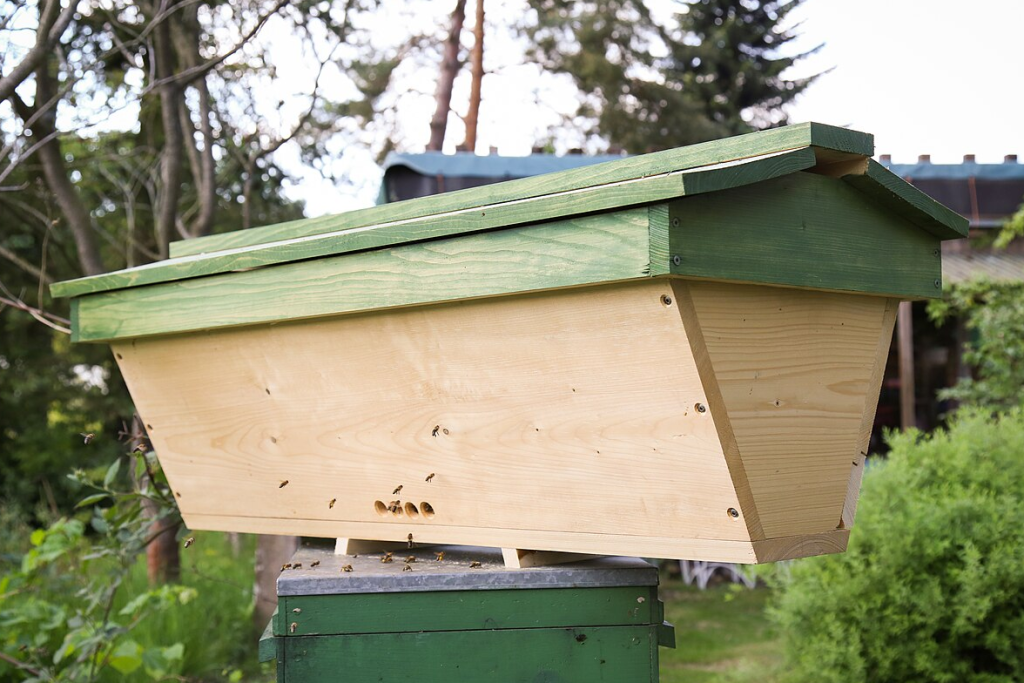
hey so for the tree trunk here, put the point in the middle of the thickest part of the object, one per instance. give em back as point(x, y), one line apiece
point(271, 553)
point(173, 147)
point(450, 65)
point(476, 59)
point(55, 171)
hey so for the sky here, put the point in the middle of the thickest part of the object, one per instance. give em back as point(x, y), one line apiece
point(938, 77)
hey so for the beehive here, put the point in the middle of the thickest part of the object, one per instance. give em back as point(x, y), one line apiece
point(673, 355)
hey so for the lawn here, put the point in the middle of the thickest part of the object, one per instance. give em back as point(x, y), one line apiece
point(722, 635)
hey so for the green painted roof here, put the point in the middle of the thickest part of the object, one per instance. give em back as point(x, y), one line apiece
point(610, 186)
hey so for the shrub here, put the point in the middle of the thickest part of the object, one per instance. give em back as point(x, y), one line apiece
point(932, 586)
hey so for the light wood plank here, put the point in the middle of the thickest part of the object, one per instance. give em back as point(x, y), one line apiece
point(570, 412)
point(794, 368)
point(822, 137)
point(517, 558)
point(868, 420)
point(809, 545)
point(674, 547)
point(359, 546)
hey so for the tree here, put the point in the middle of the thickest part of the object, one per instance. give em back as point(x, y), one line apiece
point(650, 84)
point(125, 125)
point(732, 56)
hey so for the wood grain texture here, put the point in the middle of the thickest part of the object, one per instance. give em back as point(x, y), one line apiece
point(807, 545)
point(794, 369)
point(693, 156)
point(899, 196)
point(616, 196)
point(868, 418)
point(605, 247)
point(583, 654)
point(716, 404)
point(567, 414)
point(803, 230)
point(517, 558)
point(468, 610)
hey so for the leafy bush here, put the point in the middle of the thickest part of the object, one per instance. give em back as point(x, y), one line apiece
point(994, 315)
point(76, 606)
point(932, 586)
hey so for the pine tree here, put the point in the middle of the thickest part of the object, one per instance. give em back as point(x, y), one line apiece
point(730, 58)
point(714, 72)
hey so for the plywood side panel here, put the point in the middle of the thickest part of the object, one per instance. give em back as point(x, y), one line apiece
point(868, 419)
point(564, 413)
point(794, 369)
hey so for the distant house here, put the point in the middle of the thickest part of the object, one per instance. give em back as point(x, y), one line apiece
point(985, 193)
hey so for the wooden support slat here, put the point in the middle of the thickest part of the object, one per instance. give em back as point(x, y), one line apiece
point(517, 558)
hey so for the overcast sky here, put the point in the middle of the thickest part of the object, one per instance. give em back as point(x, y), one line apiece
point(938, 77)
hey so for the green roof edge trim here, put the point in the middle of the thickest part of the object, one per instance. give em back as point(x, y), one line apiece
point(630, 168)
point(645, 189)
point(906, 200)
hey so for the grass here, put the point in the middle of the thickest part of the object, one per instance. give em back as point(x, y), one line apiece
point(722, 636)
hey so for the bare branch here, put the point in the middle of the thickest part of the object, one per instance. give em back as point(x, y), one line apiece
point(22, 665)
point(24, 265)
point(48, 319)
point(51, 27)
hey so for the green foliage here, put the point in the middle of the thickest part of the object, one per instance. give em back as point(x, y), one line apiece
point(932, 586)
point(59, 614)
point(714, 72)
point(994, 315)
point(733, 61)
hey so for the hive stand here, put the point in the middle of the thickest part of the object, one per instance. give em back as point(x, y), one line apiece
point(464, 618)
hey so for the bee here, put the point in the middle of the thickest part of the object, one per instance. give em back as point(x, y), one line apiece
point(410, 540)
point(429, 477)
point(410, 559)
point(292, 627)
point(331, 504)
point(346, 568)
point(406, 568)
point(297, 610)
point(394, 505)
point(397, 490)
point(286, 565)
point(87, 437)
point(435, 430)
point(141, 448)
point(440, 556)
point(282, 484)
point(297, 565)
point(475, 565)
point(314, 563)
point(387, 558)
point(189, 541)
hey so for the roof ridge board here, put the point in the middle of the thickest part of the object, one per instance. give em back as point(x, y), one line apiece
point(608, 197)
point(912, 203)
point(682, 158)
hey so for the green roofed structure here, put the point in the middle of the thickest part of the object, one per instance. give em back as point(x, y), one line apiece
point(672, 355)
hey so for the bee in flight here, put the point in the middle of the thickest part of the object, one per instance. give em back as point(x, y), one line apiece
point(189, 541)
point(87, 437)
point(398, 489)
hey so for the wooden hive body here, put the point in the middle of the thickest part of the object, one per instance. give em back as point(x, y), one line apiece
point(689, 376)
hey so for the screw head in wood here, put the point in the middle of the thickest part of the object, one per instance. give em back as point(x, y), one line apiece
point(677, 260)
point(938, 283)
point(733, 512)
point(665, 299)
point(700, 408)
point(675, 222)
point(935, 252)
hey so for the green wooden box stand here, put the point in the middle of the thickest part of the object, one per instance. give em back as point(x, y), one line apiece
point(453, 621)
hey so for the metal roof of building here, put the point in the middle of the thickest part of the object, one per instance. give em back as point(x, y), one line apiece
point(469, 165)
point(997, 267)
